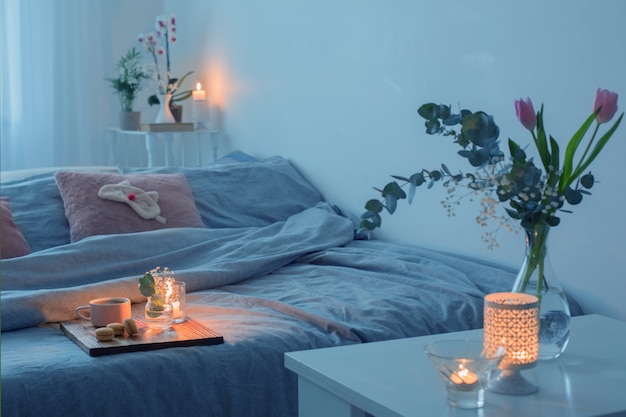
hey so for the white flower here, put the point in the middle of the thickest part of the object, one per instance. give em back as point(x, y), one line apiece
point(165, 27)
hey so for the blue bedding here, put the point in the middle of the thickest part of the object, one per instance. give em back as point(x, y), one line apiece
point(294, 283)
point(46, 286)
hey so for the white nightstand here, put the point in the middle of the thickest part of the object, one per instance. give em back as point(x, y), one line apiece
point(152, 140)
point(394, 378)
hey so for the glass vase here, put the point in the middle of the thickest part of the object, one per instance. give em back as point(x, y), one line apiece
point(536, 277)
point(165, 114)
point(159, 313)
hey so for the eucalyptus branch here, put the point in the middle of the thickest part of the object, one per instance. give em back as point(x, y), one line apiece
point(533, 196)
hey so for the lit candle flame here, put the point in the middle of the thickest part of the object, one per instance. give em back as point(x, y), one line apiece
point(463, 376)
point(198, 94)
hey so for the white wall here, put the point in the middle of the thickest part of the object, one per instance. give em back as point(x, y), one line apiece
point(334, 86)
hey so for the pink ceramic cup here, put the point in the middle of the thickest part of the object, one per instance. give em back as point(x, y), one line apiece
point(103, 311)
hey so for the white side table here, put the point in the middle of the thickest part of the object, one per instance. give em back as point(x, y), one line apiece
point(152, 140)
point(394, 378)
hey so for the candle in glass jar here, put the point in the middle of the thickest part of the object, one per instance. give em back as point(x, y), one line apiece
point(464, 376)
point(176, 309)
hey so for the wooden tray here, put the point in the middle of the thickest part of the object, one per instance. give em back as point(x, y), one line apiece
point(187, 333)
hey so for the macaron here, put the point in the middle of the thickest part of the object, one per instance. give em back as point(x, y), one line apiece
point(104, 334)
point(130, 326)
point(118, 328)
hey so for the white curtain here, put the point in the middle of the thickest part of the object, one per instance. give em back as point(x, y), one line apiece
point(55, 107)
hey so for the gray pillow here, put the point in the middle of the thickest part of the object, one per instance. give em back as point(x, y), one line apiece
point(242, 194)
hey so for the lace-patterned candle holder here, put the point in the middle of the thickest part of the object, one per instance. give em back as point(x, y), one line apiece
point(512, 323)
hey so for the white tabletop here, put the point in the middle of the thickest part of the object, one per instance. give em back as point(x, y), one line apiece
point(394, 378)
point(152, 144)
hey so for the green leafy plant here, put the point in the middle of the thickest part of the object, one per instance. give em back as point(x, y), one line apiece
point(173, 85)
point(146, 285)
point(533, 196)
point(156, 284)
point(131, 73)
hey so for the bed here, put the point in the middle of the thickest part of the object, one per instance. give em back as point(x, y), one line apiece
point(269, 265)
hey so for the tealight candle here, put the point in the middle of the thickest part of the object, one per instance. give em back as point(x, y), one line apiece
point(464, 376)
point(464, 368)
point(198, 94)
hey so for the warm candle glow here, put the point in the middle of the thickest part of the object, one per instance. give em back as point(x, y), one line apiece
point(176, 308)
point(198, 94)
point(512, 322)
point(464, 376)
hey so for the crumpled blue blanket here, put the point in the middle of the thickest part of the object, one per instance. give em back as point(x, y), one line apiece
point(46, 286)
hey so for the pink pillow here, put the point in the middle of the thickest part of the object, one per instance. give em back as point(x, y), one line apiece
point(90, 215)
point(12, 242)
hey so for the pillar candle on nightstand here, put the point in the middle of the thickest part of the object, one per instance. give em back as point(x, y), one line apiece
point(198, 94)
point(200, 107)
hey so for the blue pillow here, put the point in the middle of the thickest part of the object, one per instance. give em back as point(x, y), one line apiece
point(235, 157)
point(38, 210)
point(236, 191)
point(242, 194)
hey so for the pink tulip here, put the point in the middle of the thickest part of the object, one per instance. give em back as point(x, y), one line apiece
point(607, 100)
point(526, 113)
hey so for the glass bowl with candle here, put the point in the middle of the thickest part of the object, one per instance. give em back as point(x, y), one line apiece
point(464, 368)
